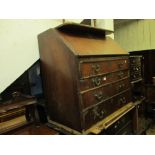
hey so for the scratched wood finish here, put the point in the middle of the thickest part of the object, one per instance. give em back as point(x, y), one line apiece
point(67, 54)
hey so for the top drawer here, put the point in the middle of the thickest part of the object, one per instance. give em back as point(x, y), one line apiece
point(97, 67)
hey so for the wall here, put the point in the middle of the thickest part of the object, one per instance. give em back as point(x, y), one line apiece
point(136, 34)
point(73, 20)
point(107, 24)
point(19, 46)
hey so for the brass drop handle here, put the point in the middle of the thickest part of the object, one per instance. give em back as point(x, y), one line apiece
point(121, 74)
point(102, 114)
point(120, 65)
point(121, 86)
point(122, 100)
point(96, 81)
point(96, 68)
point(96, 114)
point(99, 95)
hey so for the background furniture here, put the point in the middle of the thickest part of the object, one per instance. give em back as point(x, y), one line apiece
point(143, 87)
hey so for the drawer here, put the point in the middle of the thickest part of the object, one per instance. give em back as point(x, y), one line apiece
point(97, 81)
point(101, 111)
point(135, 68)
point(126, 130)
point(135, 60)
point(135, 76)
point(93, 115)
point(89, 69)
point(118, 125)
point(95, 96)
point(120, 100)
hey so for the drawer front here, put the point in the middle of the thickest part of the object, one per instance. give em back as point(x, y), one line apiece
point(120, 100)
point(101, 111)
point(89, 69)
point(97, 81)
point(127, 130)
point(92, 116)
point(118, 125)
point(135, 76)
point(135, 73)
point(92, 97)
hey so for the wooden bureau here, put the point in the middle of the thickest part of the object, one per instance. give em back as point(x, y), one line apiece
point(85, 75)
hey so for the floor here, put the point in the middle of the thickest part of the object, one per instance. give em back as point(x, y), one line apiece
point(35, 130)
point(151, 130)
point(43, 129)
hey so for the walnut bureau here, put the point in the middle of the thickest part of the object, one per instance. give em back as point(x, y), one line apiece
point(85, 75)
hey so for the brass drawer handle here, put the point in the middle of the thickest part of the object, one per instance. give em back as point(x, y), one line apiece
point(96, 81)
point(121, 86)
point(95, 113)
point(98, 114)
point(96, 68)
point(99, 96)
point(102, 114)
point(121, 74)
point(122, 100)
point(120, 65)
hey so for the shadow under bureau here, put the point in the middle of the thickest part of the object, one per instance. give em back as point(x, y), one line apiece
point(85, 76)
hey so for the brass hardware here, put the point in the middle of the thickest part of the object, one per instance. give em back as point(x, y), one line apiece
point(98, 114)
point(121, 86)
point(102, 114)
point(96, 68)
point(121, 74)
point(99, 95)
point(96, 81)
point(120, 65)
point(122, 100)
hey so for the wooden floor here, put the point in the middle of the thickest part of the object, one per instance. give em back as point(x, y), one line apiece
point(35, 130)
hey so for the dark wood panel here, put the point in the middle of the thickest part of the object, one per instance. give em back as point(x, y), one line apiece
point(59, 80)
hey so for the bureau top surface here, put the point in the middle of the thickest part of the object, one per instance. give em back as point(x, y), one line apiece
point(86, 40)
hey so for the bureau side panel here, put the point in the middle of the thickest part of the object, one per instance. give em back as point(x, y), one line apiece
point(59, 80)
